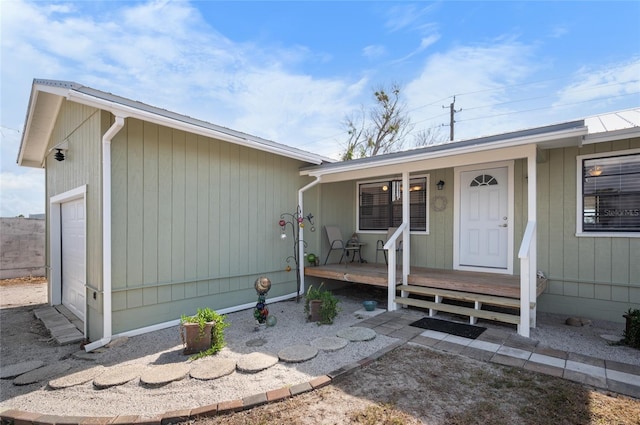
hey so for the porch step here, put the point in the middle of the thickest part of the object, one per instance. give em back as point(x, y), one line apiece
point(465, 311)
point(462, 296)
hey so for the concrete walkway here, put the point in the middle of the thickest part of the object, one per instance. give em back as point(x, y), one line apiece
point(493, 345)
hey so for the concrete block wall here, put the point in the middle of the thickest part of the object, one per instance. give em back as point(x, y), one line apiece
point(22, 243)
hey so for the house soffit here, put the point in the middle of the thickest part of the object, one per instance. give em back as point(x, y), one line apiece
point(41, 118)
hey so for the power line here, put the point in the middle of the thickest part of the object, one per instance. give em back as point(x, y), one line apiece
point(547, 107)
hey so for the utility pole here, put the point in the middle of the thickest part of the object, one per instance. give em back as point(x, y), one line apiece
point(452, 120)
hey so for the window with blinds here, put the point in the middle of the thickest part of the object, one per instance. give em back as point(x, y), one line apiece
point(380, 204)
point(611, 194)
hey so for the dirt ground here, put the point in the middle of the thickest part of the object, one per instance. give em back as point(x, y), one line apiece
point(410, 385)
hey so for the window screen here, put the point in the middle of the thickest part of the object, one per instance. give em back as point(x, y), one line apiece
point(380, 204)
point(611, 194)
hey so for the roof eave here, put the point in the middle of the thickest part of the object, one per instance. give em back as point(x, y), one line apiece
point(72, 92)
point(610, 136)
point(131, 112)
point(575, 134)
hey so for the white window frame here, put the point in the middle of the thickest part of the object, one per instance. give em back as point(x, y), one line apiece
point(580, 199)
point(384, 232)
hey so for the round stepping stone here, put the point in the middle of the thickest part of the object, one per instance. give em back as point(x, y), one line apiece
point(42, 373)
point(256, 342)
point(118, 375)
point(329, 343)
point(297, 353)
point(163, 374)
point(255, 362)
point(76, 378)
point(212, 368)
point(357, 333)
point(13, 370)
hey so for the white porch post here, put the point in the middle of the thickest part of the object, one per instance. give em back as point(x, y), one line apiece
point(532, 192)
point(406, 234)
point(529, 263)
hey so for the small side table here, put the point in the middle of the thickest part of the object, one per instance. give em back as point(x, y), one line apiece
point(356, 247)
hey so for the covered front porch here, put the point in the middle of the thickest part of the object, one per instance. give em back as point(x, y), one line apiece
point(465, 213)
point(472, 294)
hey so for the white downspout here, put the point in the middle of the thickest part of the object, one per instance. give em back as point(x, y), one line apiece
point(301, 242)
point(106, 234)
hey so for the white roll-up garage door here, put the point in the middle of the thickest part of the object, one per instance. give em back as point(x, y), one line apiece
point(73, 256)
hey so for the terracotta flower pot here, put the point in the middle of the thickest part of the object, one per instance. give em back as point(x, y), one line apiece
point(194, 341)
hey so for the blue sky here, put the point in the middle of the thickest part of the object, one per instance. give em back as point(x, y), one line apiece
point(292, 71)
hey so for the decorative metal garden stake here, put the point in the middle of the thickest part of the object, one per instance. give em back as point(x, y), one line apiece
point(261, 312)
point(296, 221)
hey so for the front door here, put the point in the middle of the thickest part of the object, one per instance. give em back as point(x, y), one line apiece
point(484, 220)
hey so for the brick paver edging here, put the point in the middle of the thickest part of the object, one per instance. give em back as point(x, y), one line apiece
point(18, 417)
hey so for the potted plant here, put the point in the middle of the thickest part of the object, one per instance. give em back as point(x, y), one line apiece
point(320, 305)
point(632, 328)
point(203, 333)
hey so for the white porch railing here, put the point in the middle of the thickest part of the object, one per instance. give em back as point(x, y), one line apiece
point(390, 246)
point(527, 279)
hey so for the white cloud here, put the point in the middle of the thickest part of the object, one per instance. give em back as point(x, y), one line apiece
point(479, 73)
point(407, 16)
point(425, 42)
point(373, 51)
point(22, 193)
point(602, 84)
point(181, 65)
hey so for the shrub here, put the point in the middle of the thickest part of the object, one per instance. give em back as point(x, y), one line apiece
point(202, 317)
point(632, 332)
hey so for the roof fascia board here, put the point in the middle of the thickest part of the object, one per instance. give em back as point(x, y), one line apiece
point(130, 112)
point(425, 164)
point(609, 136)
point(348, 167)
point(27, 125)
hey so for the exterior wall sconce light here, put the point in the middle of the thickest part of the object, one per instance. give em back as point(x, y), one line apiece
point(440, 185)
point(59, 156)
point(60, 149)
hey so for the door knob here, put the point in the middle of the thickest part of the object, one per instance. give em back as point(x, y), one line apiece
point(502, 225)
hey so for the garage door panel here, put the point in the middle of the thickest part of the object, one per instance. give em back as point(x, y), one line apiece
point(73, 256)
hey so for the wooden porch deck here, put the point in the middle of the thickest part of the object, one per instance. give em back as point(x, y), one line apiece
point(501, 285)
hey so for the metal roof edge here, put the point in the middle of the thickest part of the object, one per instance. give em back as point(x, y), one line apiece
point(610, 136)
point(129, 108)
point(116, 104)
point(535, 135)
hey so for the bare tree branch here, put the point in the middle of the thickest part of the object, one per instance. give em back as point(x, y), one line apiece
point(383, 132)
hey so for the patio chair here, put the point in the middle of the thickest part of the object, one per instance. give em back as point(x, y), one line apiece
point(380, 244)
point(336, 242)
